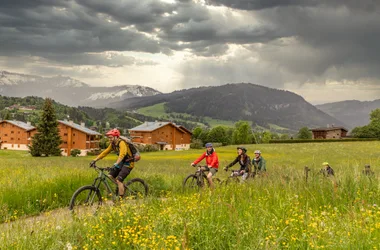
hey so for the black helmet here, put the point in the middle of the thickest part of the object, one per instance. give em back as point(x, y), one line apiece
point(242, 148)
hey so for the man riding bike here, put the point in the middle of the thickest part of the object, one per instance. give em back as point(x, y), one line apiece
point(244, 161)
point(212, 162)
point(124, 163)
point(259, 163)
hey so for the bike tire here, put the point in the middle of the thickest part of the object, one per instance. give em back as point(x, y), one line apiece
point(85, 200)
point(232, 180)
point(190, 182)
point(136, 188)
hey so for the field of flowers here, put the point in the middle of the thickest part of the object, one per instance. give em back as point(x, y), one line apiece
point(279, 211)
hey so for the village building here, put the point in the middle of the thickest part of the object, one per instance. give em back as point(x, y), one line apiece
point(77, 136)
point(167, 135)
point(329, 133)
point(16, 135)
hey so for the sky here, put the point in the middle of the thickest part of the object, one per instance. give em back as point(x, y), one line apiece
point(324, 50)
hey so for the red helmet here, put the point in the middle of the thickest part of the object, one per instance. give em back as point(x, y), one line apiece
point(113, 132)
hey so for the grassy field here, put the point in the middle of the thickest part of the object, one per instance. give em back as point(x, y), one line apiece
point(279, 211)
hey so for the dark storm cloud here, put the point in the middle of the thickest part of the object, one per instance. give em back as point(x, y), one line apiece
point(284, 40)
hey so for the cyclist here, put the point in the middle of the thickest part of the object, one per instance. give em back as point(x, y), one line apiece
point(244, 161)
point(212, 162)
point(124, 163)
point(327, 171)
point(259, 163)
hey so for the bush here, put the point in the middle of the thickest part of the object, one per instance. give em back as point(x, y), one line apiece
point(94, 152)
point(147, 148)
point(196, 144)
point(323, 140)
point(75, 152)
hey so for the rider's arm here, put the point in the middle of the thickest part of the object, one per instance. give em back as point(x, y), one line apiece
point(104, 153)
point(199, 159)
point(123, 152)
point(233, 163)
point(263, 165)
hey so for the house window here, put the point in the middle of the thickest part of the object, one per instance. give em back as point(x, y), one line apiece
point(74, 134)
point(18, 138)
point(65, 134)
point(73, 142)
point(5, 134)
point(18, 145)
point(12, 132)
point(19, 132)
point(11, 139)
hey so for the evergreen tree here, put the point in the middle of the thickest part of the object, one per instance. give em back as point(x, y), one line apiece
point(47, 140)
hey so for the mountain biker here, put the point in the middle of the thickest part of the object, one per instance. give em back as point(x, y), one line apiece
point(327, 171)
point(124, 163)
point(212, 162)
point(258, 163)
point(244, 161)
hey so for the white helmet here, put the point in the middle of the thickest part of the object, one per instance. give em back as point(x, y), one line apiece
point(257, 152)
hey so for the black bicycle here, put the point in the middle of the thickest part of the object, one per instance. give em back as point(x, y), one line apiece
point(198, 179)
point(87, 199)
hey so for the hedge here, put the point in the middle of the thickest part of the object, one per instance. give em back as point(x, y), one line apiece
point(323, 140)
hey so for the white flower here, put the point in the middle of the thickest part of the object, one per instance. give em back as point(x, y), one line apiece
point(69, 247)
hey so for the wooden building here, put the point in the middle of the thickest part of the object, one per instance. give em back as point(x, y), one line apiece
point(75, 136)
point(329, 133)
point(167, 135)
point(16, 135)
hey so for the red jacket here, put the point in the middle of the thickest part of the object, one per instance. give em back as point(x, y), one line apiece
point(211, 160)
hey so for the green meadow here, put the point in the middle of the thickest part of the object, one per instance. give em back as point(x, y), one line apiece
point(277, 211)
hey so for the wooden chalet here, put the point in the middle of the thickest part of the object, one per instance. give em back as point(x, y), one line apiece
point(329, 133)
point(16, 135)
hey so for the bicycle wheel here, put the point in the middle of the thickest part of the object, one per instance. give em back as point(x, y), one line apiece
point(232, 179)
point(85, 201)
point(190, 182)
point(136, 188)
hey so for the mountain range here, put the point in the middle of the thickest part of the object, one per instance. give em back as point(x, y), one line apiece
point(352, 112)
point(261, 105)
point(231, 102)
point(67, 90)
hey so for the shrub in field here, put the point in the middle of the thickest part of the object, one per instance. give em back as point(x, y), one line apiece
point(75, 152)
point(196, 144)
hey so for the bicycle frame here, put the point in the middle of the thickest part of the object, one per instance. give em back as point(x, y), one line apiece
point(103, 178)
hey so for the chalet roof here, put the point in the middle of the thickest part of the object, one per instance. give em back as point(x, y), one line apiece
point(329, 129)
point(20, 124)
point(79, 127)
point(151, 126)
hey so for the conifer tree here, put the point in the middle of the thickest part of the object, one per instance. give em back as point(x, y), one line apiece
point(47, 140)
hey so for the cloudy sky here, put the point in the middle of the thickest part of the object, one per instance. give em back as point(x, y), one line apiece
point(324, 50)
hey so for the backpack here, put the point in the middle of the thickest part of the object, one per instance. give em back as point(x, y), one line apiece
point(135, 152)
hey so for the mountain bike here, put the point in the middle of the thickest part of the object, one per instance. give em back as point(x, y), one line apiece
point(198, 179)
point(89, 198)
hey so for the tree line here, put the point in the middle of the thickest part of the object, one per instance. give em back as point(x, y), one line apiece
point(241, 133)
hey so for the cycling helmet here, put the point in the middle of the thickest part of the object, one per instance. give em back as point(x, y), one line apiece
point(209, 144)
point(113, 132)
point(242, 148)
point(325, 164)
point(257, 152)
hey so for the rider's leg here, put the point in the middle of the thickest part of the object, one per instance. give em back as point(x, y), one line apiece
point(125, 171)
point(209, 177)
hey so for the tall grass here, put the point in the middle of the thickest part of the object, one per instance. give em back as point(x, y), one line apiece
point(278, 211)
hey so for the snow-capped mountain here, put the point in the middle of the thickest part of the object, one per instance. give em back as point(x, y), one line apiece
point(67, 90)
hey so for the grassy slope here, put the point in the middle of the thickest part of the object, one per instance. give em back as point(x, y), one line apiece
point(279, 211)
point(158, 111)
